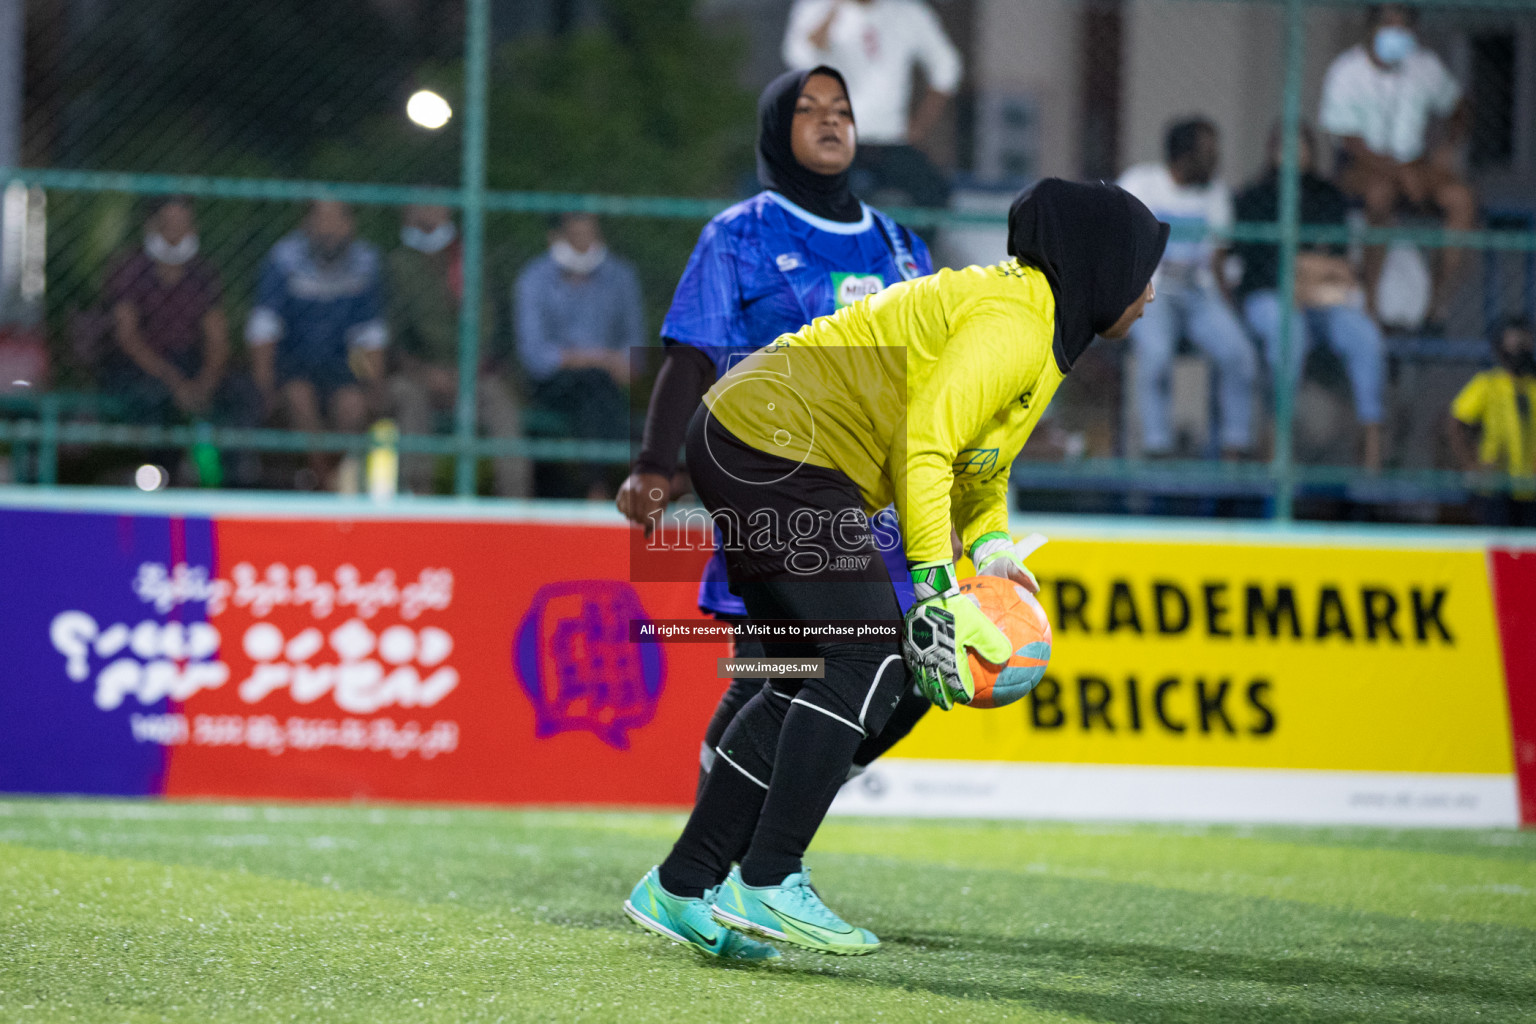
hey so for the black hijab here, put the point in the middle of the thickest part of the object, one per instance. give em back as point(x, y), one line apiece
point(1096, 244)
point(825, 195)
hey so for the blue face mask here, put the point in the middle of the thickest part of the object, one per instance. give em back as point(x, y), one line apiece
point(1394, 44)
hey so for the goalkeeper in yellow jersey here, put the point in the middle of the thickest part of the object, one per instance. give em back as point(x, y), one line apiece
point(922, 394)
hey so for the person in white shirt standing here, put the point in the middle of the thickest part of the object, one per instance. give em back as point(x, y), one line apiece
point(1193, 298)
point(1381, 99)
point(876, 44)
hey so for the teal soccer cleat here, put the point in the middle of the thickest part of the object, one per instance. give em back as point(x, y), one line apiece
point(790, 912)
point(688, 921)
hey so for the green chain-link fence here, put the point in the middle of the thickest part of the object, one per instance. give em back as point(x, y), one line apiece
point(254, 111)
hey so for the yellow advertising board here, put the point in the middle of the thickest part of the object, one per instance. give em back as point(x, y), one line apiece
point(1253, 655)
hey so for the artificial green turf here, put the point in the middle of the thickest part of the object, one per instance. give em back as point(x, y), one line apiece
point(122, 911)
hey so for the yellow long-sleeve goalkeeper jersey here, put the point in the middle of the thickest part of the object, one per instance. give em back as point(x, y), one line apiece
point(923, 394)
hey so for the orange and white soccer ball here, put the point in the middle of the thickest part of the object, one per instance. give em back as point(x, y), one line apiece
point(1023, 621)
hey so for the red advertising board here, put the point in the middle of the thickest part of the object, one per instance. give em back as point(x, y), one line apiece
point(1514, 591)
point(458, 661)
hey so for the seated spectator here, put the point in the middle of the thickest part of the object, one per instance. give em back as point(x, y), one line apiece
point(426, 285)
point(578, 317)
point(1192, 296)
point(1500, 404)
point(1328, 295)
point(1380, 99)
point(172, 338)
point(168, 354)
point(317, 332)
point(876, 44)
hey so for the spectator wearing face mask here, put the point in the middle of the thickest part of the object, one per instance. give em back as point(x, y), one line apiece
point(1193, 297)
point(1382, 99)
point(317, 332)
point(426, 286)
point(1493, 426)
point(171, 334)
point(579, 315)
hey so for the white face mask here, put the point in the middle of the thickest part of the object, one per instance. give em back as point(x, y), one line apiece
point(429, 242)
point(1394, 44)
point(568, 259)
point(162, 251)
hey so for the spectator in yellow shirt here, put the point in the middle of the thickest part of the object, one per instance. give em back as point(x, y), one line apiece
point(1500, 405)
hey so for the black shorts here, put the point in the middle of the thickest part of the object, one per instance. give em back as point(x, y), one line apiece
point(805, 553)
point(777, 518)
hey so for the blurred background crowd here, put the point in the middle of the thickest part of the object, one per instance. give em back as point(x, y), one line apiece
point(168, 297)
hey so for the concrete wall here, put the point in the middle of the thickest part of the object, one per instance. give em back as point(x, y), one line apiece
point(1225, 61)
point(1219, 60)
point(1211, 57)
point(1215, 57)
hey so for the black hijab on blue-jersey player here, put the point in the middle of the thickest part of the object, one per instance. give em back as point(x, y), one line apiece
point(825, 195)
point(1096, 244)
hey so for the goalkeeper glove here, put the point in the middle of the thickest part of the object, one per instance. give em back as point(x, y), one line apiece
point(938, 629)
point(995, 554)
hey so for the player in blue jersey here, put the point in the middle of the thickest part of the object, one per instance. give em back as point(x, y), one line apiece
point(802, 248)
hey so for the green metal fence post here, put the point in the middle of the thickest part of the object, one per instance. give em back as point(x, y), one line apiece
point(48, 441)
point(1282, 468)
point(477, 31)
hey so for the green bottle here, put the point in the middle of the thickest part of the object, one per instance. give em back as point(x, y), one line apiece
point(205, 457)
